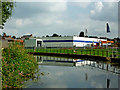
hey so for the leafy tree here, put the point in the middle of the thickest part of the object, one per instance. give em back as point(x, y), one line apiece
point(55, 35)
point(47, 35)
point(14, 37)
point(81, 34)
point(4, 34)
point(5, 11)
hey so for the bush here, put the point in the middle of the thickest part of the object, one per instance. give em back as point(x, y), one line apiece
point(17, 66)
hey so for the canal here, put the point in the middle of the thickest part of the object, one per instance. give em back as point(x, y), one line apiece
point(59, 72)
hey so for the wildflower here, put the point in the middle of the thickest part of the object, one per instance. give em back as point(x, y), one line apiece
point(5, 86)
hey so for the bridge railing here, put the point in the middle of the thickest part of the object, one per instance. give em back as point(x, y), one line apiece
point(113, 52)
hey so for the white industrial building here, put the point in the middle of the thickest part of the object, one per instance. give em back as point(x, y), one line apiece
point(59, 42)
point(69, 41)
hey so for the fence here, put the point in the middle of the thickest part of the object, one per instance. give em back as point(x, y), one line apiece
point(105, 52)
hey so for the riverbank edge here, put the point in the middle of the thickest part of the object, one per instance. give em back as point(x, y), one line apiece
point(90, 57)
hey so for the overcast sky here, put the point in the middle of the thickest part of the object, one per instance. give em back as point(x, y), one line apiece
point(63, 18)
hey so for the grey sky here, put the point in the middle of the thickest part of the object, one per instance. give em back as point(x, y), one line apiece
point(63, 18)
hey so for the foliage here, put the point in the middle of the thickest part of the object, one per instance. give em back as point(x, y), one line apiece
point(17, 66)
point(5, 11)
point(81, 34)
point(47, 35)
point(4, 34)
point(55, 35)
point(14, 37)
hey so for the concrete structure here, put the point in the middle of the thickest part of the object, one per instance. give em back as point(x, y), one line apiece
point(4, 43)
point(33, 43)
point(70, 41)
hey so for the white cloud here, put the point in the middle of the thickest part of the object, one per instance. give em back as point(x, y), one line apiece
point(81, 4)
point(27, 33)
point(105, 11)
point(23, 22)
point(111, 0)
point(92, 12)
point(19, 22)
point(59, 21)
point(58, 7)
point(11, 31)
point(46, 18)
point(98, 6)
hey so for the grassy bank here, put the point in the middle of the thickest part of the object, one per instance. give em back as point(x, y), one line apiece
point(17, 66)
point(96, 52)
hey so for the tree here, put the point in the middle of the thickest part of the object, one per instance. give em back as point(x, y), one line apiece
point(4, 34)
point(5, 11)
point(81, 34)
point(47, 35)
point(14, 37)
point(55, 35)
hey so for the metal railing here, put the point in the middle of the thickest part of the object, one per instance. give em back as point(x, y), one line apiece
point(113, 52)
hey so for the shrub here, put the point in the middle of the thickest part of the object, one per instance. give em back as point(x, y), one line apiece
point(17, 66)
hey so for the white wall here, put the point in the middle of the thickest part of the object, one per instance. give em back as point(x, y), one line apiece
point(82, 41)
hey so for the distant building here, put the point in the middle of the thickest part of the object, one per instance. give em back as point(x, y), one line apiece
point(103, 37)
point(116, 40)
point(9, 39)
point(70, 41)
point(67, 42)
point(26, 37)
point(6, 39)
point(92, 36)
point(32, 43)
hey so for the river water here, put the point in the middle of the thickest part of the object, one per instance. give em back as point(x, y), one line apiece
point(59, 72)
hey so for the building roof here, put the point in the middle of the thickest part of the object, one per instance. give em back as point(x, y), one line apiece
point(26, 36)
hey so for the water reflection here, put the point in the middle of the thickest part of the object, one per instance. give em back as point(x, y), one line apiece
point(75, 73)
point(48, 60)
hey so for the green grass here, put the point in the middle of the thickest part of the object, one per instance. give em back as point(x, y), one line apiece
point(95, 52)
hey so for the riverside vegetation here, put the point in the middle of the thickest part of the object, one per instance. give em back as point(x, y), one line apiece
point(17, 66)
